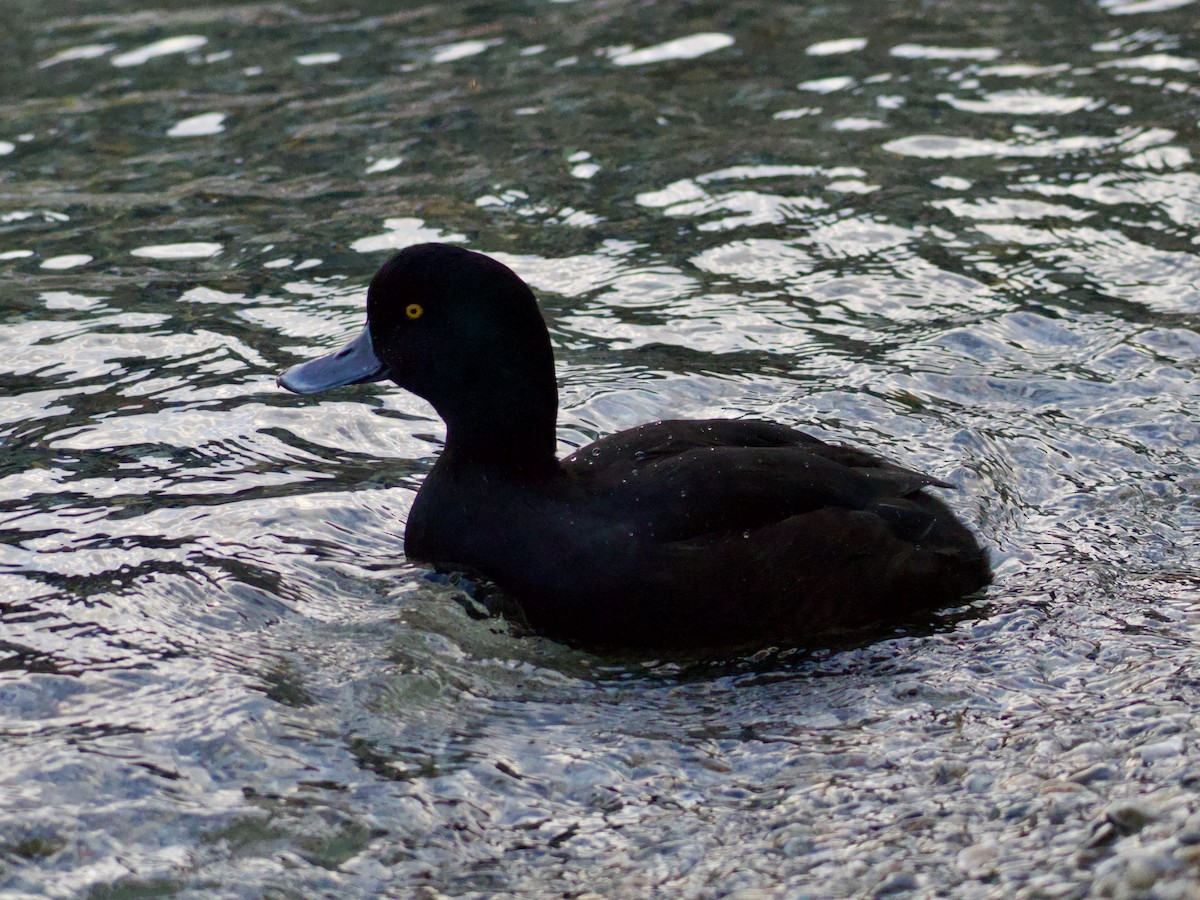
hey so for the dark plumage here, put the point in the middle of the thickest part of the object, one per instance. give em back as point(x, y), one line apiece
point(677, 534)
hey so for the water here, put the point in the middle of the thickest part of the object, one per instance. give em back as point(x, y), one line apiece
point(961, 235)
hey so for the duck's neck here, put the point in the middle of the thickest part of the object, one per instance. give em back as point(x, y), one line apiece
point(508, 427)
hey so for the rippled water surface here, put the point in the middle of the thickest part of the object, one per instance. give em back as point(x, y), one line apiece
point(962, 234)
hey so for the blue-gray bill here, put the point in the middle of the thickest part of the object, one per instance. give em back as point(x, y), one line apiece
point(353, 364)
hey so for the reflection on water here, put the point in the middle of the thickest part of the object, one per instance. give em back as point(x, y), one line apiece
point(968, 242)
point(680, 48)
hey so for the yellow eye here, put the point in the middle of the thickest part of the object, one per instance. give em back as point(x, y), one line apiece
point(414, 310)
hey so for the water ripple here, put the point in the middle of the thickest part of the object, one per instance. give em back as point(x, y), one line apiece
point(965, 242)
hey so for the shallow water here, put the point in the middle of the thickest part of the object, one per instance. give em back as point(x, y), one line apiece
point(961, 235)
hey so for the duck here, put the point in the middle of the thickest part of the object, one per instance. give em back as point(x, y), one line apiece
point(676, 535)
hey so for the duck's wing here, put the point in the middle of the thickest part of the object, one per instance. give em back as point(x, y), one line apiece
point(683, 479)
point(671, 437)
point(707, 534)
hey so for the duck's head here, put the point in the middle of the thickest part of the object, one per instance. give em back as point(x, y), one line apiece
point(455, 327)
